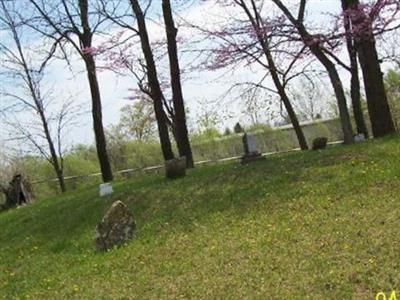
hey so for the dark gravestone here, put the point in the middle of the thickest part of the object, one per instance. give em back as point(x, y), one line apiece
point(319, 143)
point(175, 168)
point(116, 227)
point(250, 149)
point(18, 192)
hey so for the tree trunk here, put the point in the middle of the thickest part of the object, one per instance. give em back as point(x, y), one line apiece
point(100, 138)
point(355, 81)
point(285, 99)
point(154, 84)
point(378, 105)
point(339, 92)
point(85, 40)
point(255, 21)
point(338, 89)
point(179, 105)
point(293, 119)
point(317, 51)
point(341, 99)
point(356, 100)
point(53, 154)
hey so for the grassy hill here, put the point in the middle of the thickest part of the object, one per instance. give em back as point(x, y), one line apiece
point(323, 225)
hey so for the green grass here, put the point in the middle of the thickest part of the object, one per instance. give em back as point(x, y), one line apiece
point(318, 225)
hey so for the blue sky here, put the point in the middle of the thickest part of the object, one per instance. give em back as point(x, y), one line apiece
point(203, 87)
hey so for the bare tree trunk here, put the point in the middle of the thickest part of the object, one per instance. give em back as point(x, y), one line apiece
point(53, 154)
point(355, 81)
point(179, 105)
point(255, 21)
point(340, 96)
point(356, 98)
point(317, 51)
point(155, 88)
point(29, 79)
point(86, 42)
point(285, 99)
point(101, 145)
point(378, 105)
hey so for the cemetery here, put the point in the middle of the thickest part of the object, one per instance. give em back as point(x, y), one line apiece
point(225, 230)
point(235, 149)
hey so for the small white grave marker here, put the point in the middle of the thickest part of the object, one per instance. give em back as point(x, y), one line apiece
point(105, 189)
point(359, 137)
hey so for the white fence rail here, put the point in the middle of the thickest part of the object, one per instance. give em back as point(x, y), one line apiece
point(159, 167)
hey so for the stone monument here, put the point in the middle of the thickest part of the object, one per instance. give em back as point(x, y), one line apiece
point(116, 227)
point(250, 149)
point(319, 143)
point(175, 168)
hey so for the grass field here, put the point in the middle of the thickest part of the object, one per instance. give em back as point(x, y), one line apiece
point(317, 225)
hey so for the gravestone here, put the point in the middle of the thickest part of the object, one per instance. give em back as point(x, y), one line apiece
point(250, 149)
point(175, 168)
point(319, 143)
point(116, 227)
point(18, 192)
point(105, 189)
point(359, 137)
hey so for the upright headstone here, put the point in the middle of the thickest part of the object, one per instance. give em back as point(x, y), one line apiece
point(116, 227)
point(175, 168)
point(319, 143)
point(250, 149)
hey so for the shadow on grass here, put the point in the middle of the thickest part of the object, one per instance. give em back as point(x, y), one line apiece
point(66, 223)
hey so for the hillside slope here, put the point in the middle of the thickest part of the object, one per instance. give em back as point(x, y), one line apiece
point(320, 224)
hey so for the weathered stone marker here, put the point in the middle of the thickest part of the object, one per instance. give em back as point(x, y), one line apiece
point(319, 143)
point(250, 149)
point(175, 168)
point(116, 227)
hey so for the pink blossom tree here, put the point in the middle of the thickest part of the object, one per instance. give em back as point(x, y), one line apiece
point(367, 21)
point(252, 38)
point(316, 43)
point(150, 80)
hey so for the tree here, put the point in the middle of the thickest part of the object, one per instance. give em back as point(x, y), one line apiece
point(73, 23)
point(137, 120)
point(227, 131)
point(392, 84)
point(257, 107)
point(364, 41)
point(182, 137)
point(258, 32)
point(238, 128)
point(172, 113)
point(312, 101)
point(355, 81)
point(315, 42)
point(30, 101)
point(155, 89)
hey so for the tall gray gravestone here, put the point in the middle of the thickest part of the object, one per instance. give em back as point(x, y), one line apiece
point(250, 149)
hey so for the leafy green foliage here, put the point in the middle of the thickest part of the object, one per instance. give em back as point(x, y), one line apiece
point(322, 225)
point(130, 154)
point(392, 81)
